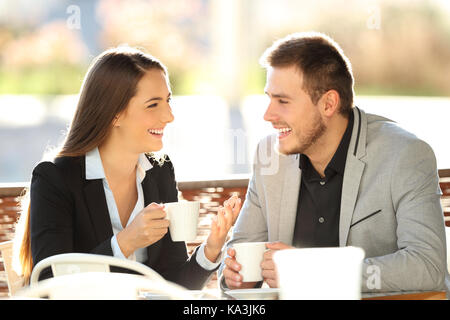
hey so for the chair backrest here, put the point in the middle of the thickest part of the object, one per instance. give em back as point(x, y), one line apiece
point(103, 286)
point(69, 263)
point(15, 282)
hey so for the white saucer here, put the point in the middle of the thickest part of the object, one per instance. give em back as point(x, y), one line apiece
point(254, 294)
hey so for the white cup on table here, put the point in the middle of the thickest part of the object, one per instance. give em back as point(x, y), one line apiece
point(320, 273)
point(250, 255)
point(183, 219)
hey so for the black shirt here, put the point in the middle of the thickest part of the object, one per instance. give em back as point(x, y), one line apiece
point(319, 200)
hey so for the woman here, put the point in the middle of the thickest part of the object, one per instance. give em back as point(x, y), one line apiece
point(100, 194)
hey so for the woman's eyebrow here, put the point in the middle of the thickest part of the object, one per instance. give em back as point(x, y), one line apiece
point(158, 98)
point(151, 99)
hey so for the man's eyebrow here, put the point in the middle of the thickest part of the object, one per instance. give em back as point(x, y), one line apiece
point(158, 98)
point(278, 95)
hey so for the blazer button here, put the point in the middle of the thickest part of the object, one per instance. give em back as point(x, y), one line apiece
point(321, 220)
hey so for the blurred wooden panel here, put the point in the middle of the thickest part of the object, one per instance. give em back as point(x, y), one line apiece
point(435, 295)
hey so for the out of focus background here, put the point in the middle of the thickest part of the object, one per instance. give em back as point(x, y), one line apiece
point(399, 50)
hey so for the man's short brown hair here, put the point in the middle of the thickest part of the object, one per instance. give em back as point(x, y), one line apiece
point(322, 62)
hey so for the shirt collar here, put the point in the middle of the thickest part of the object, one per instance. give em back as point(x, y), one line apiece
point(143, 166)
point(337, 163)
point(94, 166)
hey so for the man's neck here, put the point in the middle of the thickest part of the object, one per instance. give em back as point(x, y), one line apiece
point(321, 153)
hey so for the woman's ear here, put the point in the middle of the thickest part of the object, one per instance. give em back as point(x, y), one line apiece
point(116, 121)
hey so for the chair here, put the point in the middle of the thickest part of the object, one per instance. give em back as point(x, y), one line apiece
point(103, 286)
point(69, 263)
point(15, 282)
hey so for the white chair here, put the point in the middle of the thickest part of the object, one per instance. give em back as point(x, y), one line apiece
point(103, 286)
point(69, 263)
point(15, 282)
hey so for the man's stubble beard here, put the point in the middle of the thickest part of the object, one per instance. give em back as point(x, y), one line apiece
point(307, 140)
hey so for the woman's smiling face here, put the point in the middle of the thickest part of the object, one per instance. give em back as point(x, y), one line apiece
point(140, 126)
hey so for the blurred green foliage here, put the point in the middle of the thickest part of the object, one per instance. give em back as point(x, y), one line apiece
point(57, 78)
point(408, 53)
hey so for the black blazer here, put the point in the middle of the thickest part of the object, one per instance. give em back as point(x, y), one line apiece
point(70, 214)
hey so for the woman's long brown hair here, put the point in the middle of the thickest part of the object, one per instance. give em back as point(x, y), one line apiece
point(107, 88)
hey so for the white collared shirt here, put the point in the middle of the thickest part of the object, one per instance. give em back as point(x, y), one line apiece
point(94, 170)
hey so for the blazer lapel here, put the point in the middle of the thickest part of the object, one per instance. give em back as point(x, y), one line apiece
point(150, 188)
point(151, 194)
point(289, 200)
point(98, 209)
point(354, 168)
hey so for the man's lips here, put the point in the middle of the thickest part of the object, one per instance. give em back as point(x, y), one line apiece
point(283, 132)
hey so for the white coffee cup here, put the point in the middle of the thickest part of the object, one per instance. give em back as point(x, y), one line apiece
point(320, 273)
point(183, 219)
point(250, 255)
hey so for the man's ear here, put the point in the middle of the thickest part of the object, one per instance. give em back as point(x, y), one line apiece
point(330, 101)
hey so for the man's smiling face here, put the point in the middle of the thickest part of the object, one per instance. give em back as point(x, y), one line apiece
point(291, 110)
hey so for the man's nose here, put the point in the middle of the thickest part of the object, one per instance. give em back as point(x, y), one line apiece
point(270, 114)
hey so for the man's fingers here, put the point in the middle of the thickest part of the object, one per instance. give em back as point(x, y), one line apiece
point(233, 284)
point(268, 265)
point(269, 274)
point(231, 275)
point(268, 255)
point(232, 264)
point(231, 252)
point(277, 245)
point(272, 283)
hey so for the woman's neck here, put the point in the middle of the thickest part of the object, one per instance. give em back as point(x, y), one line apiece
point(118, 163)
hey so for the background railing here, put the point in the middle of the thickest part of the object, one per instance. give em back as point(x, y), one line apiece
point(210, 193)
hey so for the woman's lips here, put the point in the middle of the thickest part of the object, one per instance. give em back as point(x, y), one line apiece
point(157, 133)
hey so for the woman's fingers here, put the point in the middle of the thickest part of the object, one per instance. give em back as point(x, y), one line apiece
point(236, 210)
point(234, 203)
point(221, 219)
point(229, 217)
point(214, 226)
point(158, 223)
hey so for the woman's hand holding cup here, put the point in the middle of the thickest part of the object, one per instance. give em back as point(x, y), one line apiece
point(149, 226)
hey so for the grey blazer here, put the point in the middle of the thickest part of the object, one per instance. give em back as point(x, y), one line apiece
point(390, 205)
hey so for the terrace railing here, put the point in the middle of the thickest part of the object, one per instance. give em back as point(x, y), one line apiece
point(210, 193)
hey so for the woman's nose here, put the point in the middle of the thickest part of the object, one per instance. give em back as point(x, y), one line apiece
point(168, 116)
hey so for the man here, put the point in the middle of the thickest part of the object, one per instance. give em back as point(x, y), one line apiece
point(336, 176)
